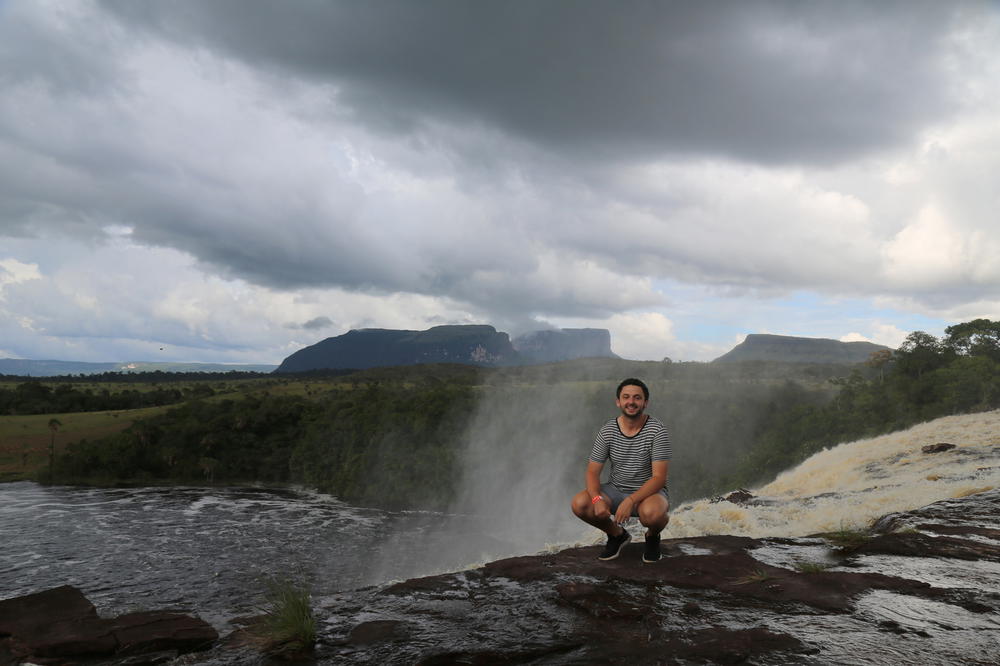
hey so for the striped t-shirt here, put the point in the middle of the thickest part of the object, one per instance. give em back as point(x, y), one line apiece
point(631, 457)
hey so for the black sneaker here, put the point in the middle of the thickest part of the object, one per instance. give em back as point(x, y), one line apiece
point(614, 546)
point(651, 553)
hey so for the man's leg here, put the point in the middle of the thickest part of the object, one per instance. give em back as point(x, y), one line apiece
point(586, 511)
point(603, 520)
point(653, 514)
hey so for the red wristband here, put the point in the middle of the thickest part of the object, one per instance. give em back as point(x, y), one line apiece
point(596, 499)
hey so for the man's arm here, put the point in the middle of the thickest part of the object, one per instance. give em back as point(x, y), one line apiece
point(601, 509)
point(661, 469)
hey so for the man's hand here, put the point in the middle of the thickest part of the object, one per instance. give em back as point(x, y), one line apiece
point(601, 510)
point(624, 511)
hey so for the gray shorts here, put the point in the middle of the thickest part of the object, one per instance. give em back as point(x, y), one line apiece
point(617, 497)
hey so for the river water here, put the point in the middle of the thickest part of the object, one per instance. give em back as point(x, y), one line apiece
point(209, 551)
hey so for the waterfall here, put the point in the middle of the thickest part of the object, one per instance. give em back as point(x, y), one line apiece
point(853, 483)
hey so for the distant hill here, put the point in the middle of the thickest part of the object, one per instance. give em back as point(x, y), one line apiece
point(380, 347)
point(564, 344)
point(31, 368)
point(789, 349)
point(469, 344)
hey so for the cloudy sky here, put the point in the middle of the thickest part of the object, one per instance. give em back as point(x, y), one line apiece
point(230, 181)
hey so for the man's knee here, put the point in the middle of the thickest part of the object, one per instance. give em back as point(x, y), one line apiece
point(580, 504)
point(653, 510)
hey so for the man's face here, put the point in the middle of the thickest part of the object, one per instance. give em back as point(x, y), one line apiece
point(631, 401)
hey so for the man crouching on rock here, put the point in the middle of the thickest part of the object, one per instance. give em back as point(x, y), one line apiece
point(639, 448)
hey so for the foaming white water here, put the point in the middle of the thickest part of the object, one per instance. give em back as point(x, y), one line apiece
point(853, 483)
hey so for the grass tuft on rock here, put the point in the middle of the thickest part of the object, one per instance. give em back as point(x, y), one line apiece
point(755, 576)
point(288, 625)
point(805, 566)
point(849, 538)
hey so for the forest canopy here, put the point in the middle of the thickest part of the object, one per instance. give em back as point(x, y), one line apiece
point(395, 437)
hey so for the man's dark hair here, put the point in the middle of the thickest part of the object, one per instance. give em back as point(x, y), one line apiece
point(632, 381)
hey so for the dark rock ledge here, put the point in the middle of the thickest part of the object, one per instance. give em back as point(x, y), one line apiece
point(920, 587)
point(60, 626)
point(711, 599)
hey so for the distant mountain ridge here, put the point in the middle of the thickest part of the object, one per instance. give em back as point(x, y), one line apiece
point(469, 344)
point(49, 368)
point(564, 344)
point(790, 349)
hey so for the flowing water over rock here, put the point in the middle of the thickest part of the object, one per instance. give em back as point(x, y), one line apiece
point(923, 590)
point(203, 550)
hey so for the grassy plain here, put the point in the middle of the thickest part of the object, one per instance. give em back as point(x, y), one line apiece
point(25, 440)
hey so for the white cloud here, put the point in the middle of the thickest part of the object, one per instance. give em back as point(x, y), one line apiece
point(634, 335)
point(230, 192)
point(888, 335)
point(879, 333)
point(928, 252)
point(196, 316)
point(641, 335)
point(734, 224)
point(13, 271)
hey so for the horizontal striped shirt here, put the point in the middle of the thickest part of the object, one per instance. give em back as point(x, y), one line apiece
point(631, 457)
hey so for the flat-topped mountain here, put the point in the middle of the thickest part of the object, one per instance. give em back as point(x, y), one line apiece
point(469, 344)
point(789, 349)
point(378, 347)
point(564, 344)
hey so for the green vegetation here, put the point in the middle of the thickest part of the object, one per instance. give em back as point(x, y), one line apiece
point(804, 566)
point(907, 530)
point(849, 538)
point(924, 379)
point(394, 437)
point(35, 397)
point(288, 625)
point(25, 440)
point(397, 437)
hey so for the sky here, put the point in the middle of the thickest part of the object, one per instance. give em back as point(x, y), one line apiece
point(231, 181)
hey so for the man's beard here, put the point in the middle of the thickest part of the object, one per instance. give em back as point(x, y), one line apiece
point(637, 414)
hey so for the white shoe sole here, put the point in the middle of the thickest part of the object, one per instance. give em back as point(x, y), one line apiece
point(628, 538)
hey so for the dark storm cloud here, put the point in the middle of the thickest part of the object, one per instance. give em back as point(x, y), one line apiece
point(497, 161)
point(59, 46)
point(762, 81)
point(314, 324)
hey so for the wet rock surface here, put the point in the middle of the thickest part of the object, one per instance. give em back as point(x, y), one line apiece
point(919, 587)
point(712, 599)
point(60, 626)
point(937, 448)
point(740, 496)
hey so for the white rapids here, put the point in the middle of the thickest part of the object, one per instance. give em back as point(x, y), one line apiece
point(849, 485)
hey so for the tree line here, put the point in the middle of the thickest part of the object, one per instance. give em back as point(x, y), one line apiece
point(376, 444)
point(396, 437)
point(34, 397)
point(926, 378)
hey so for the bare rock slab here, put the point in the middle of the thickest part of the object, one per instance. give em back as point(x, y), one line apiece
point(62, 626)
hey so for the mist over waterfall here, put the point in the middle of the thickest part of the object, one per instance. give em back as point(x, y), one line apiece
point(525, 457)
point(849, 485)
